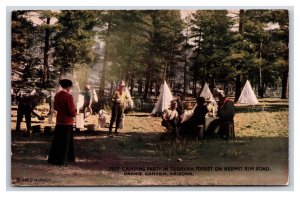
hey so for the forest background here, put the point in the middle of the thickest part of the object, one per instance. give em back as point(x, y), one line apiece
point(144, 47)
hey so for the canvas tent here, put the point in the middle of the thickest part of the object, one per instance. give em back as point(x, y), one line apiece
point(130, 103)
point(248, 96)
point(164, 99)
point(206, 93)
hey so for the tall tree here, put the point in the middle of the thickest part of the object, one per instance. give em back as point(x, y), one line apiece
point(46, 16)
point(262, 31)
point(21, 36)
point(238, 85)
point(211, 33)
point(22, 39)
point(45, 36)
point(281, 36)
point(107, 18)
point(186, 51)
point(74, 40)
point(163, 45)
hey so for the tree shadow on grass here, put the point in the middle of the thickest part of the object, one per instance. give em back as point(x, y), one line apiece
point(99, 152)
point(101, 159)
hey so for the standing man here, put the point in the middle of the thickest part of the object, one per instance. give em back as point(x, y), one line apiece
point(119, 98)
point(87, 99)
point(26, 106)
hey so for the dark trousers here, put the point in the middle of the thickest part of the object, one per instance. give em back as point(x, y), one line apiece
point(171, 125)
point(189, 127)
point(20, 115)
point(62, 148)
point(220, 127)
point(86, 104)
point(116, 115)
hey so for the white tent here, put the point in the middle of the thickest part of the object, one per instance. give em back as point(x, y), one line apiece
point(248, 96)
point(164, 100)
point(130, 103)
point(206, 93)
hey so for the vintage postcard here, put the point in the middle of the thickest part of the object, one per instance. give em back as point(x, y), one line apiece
point(150, 97)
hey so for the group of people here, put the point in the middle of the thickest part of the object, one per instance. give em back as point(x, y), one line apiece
point(173, 118)
point(62, 148)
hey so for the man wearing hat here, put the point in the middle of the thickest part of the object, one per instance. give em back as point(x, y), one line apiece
point(225, 116)
point(225, 107)
point(119, 98)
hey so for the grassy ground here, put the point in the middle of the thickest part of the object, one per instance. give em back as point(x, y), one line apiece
point(138, 156)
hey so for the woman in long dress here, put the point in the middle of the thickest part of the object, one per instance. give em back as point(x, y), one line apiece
point(62, 149)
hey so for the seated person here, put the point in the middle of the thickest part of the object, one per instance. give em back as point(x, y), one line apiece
point(170, 118)
point(225, 116)
point(198, 118)
point(212, 107)
point(180, 108)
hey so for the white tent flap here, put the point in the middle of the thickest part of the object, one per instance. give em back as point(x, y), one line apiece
point(130, 103)
point(206, 93)
point(164, 99)
point(248, 96)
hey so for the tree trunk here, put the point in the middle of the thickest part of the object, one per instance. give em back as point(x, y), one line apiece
point(241, 22)
point(284, 84)
point(196, 67)
point(147, 83)
point(185, 63)
point(238, 87)
point(140, 87)
point(184, 77)
point(238, 84)
point(128, 75)
point(151, 87)
point(46, 55)
point(260, 88)
point(103, 71)
point(261, 83)
point(226, 88)
point(212, 85)
point(285, 74)
point(131, 84)
point(194, 87)
point(111, 87)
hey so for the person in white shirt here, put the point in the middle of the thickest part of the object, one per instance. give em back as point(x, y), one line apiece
point(170, 118)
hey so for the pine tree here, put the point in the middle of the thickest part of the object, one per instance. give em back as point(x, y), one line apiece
point(74, 39)
point(211, 34)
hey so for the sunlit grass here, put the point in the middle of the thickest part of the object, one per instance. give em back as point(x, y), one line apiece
point(262, 124)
